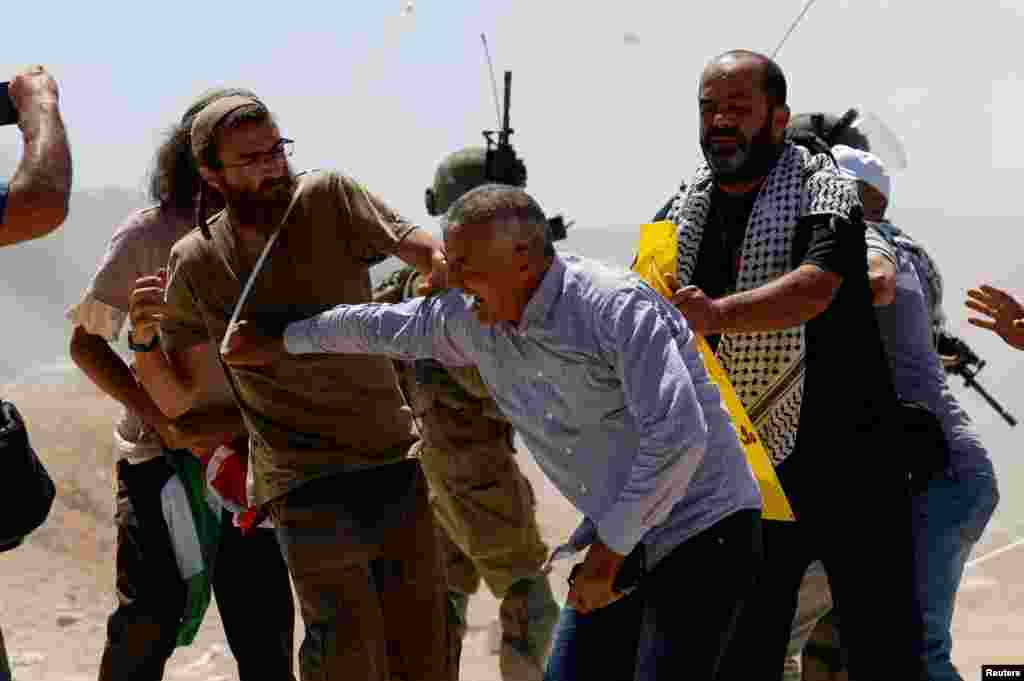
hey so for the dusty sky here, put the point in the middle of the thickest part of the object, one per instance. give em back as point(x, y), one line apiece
point(604, 93)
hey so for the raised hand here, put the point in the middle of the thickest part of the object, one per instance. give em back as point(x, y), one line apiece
point(1000, 311)
point(146, 306)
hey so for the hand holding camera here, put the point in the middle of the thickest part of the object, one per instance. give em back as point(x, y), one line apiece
point(31, 93)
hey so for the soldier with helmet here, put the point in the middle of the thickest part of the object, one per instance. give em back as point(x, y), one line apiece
point(480, 497)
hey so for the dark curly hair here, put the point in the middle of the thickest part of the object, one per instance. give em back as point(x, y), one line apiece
point(175, 180)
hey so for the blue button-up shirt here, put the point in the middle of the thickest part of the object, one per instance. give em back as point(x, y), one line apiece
point(604, 382)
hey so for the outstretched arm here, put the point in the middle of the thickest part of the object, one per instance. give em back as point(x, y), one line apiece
point(436, 326)
point(793, 298)
point(37, 199)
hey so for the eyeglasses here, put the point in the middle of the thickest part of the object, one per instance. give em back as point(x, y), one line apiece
point(283, 149)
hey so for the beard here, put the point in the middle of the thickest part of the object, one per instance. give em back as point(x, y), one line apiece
point(744, 161)
point(264, 206)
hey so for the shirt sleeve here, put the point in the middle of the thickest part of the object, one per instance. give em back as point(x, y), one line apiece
point(97, 318)
point(104, 305)
point(878, 245)
point(185, 327)
point(376, 230)
point(432, 327)
point(830, 243)
point(645, 339)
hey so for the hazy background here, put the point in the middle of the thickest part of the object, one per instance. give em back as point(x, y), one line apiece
point(603, 104)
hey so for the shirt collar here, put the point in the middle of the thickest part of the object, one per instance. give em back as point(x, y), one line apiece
point(543, 299)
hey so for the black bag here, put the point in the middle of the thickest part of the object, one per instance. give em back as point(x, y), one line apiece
point(921, 439)
point(28, 488)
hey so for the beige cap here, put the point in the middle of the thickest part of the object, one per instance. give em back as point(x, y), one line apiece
point(204, 126)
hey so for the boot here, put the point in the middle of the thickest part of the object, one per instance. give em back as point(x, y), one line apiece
point(528, 616)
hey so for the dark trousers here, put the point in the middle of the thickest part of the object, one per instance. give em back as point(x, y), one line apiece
point(151, 594)
point(679, 624)
point(599, 645)
point(856, 520)
point(362, 550)
point(694, 597)
point(254, 597)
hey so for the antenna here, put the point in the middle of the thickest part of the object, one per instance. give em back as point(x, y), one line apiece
point(506, 130)
point(792, 27)
point(494, 82)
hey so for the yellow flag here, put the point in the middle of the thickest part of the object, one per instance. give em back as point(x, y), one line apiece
point(656, 257)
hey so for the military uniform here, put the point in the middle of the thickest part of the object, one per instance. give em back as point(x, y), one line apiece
point(480, 498)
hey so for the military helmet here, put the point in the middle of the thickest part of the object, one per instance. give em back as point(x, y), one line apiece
point(807, 128)
point(464, 170)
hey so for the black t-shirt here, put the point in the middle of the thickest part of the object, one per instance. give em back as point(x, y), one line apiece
point(846, 380)
point(3, 200)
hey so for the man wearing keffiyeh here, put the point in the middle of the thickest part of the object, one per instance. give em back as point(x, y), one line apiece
point(771, 269)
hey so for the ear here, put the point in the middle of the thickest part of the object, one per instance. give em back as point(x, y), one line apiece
point(780, 119)
point(521, 253)
point(212, 178)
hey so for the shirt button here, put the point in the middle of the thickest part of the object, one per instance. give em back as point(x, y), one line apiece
point(549, 415)
point(568, 450)
point(540, 374)
point(583, 489)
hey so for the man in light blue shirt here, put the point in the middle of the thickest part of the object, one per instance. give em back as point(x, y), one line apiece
point(603, 380)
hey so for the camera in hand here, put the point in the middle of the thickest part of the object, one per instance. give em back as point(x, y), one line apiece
point(8, 114)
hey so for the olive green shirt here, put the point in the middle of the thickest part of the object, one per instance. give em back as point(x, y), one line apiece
point(314, 414)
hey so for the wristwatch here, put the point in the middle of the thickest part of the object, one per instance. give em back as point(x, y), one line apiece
point(148, 347)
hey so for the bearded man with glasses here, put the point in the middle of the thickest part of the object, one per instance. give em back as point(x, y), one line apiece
point(329, 435)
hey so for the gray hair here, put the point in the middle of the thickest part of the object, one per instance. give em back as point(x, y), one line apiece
point(515, 215)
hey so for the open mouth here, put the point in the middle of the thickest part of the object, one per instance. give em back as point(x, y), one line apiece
point(724, 145)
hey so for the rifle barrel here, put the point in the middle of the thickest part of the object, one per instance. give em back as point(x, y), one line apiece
point(971, 383)
point(506, 130)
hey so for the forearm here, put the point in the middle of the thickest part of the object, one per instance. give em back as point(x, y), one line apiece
point(39, 191)
point(421, 250)
point(173, 392)
point(409, 330)
point(789, 301)
point(97, 360)
point(882, 279)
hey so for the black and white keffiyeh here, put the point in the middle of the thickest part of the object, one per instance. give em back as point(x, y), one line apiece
point(767, 369)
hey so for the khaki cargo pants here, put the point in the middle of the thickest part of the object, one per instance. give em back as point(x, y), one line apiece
point(363, 554)
point(486, 507)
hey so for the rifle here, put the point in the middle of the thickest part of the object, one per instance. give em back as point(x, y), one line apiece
point(960, 360)
point(502, 163)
